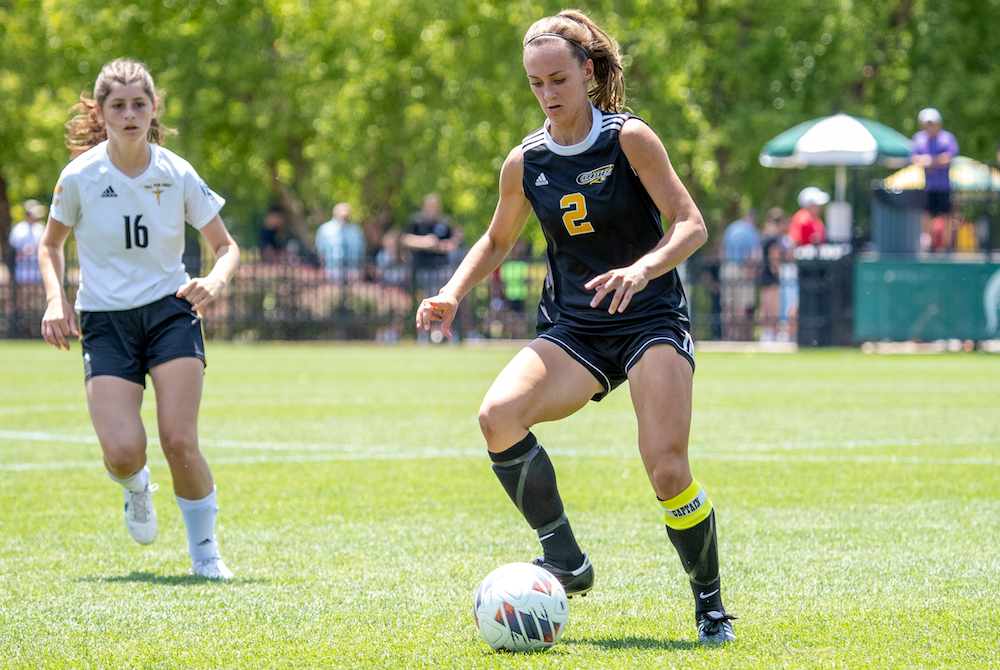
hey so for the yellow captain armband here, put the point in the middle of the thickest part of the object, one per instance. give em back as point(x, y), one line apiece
point(688, 508)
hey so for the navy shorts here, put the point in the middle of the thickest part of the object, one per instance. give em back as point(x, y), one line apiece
point(610, 357)
point(127, 343)
point(938, 202)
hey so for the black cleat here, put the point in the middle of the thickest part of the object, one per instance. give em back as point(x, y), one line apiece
point(714, 628)
point(577, 582)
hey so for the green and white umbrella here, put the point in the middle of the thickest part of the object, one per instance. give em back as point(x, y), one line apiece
point(837, 141)
point(840, 139)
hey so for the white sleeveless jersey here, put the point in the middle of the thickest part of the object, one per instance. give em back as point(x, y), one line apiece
point(130, 232)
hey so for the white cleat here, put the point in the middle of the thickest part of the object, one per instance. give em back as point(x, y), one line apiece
point(714, 628)
point(140, 517)
point(211, 568)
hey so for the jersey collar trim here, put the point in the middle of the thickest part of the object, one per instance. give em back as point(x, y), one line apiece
point(580, 147)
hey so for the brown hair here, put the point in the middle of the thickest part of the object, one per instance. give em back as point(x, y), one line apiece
point(587, 40)
point(775, 215)
point(85, 130)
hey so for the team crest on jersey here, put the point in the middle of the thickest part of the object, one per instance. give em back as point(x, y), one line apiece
point(598, 176)
point(157, 189)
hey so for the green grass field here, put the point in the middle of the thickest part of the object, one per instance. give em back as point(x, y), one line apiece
point(858, 499)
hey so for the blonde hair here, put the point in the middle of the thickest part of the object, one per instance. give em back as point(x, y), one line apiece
point(86, 130)
point(587, 40)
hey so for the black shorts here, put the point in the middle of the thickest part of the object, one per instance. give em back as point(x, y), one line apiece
point(127, 343)
point(938, 202)
point(610, 357)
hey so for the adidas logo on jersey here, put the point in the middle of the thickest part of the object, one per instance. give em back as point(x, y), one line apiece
point(109, 193)
point(541, 181)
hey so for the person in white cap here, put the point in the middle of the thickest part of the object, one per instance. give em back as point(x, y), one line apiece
point(806, 226)
point(24, 238)
point(933, 148)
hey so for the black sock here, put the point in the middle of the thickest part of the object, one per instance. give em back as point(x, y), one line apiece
point(527, 475)
point(699, 553)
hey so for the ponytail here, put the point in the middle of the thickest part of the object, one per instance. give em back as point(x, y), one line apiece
point(587, 40)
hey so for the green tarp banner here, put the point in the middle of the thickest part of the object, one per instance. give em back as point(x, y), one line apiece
point(926, 300)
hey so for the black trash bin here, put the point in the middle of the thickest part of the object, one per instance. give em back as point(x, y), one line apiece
point(825, 295)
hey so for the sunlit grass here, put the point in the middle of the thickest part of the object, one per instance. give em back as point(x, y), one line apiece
point(857, 499)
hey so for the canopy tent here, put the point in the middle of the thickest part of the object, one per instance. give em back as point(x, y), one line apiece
point(840, 139)
point(965, 175)
point(837, 141)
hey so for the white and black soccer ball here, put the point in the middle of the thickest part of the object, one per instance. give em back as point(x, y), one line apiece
point(520, 607)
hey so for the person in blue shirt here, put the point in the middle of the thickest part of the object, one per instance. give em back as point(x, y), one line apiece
point(340, 245)
point(740, 253)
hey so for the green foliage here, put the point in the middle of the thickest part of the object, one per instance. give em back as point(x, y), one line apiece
point(378, 102)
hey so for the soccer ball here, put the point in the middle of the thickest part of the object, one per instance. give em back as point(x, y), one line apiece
point(520, 607)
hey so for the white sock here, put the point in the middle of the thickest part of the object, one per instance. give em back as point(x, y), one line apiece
point(136, 483)
point(199, 519)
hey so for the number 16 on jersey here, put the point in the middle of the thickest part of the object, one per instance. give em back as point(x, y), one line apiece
point(140, 234)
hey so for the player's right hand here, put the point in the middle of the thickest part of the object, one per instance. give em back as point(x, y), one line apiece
point(58, 323)
point(441, 307)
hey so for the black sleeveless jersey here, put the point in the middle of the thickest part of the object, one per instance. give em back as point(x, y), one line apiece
point(596, 216)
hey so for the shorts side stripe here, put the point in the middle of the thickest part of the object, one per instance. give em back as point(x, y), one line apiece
point(655, 340)
point(571, 351)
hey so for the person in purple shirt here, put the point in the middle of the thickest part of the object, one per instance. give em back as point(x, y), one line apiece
point(933, 148)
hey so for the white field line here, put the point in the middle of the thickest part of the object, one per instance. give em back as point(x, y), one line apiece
point(696, 448)
point(20, 410)
point(348, 452)
point(149, 403)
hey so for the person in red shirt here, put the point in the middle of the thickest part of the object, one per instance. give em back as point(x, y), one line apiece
point(806, 226)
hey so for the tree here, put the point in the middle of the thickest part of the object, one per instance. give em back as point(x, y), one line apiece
point(378, 102)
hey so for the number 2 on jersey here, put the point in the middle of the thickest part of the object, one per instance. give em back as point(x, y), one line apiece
point(574, 218)
point(141, 233)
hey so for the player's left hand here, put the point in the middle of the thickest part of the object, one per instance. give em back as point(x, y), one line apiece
point(200, 291)
point(622, 282)
point(442, 307)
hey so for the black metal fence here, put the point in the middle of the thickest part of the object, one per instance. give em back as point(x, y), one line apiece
point(297, 301)
point(294, 300)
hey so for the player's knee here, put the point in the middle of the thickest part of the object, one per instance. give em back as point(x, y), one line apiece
point(669, 475)
point(123, 460)
point(488, 419)
point(179, 446)
point(496, 419)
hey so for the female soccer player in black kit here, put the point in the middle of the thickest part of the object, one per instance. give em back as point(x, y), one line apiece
point(613, 306)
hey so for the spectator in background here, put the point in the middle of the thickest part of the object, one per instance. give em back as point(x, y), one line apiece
point(429, 235)
point(341, 245)
point(770, 271)
point(389, 265)
point(933, 148)
point(806, 226)
point(24, 238)
point(740, 253)
point(431, 238)
point(514, 276)
point(272, 241)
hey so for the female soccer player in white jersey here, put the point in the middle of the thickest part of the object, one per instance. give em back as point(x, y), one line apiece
point(613, 305)
point(126, 200)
